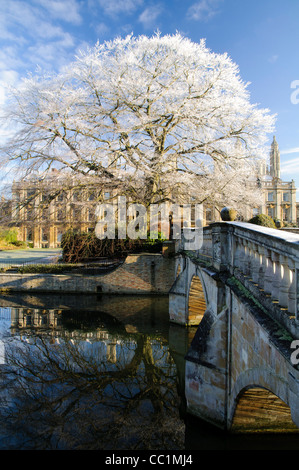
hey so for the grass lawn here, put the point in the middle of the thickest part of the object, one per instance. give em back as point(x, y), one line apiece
point(29, 255)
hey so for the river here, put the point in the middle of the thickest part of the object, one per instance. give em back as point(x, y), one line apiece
point(101, 373)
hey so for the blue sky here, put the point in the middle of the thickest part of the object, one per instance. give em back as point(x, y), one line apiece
point(261, 36)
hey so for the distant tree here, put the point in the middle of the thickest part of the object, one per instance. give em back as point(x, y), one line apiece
point(158, 118)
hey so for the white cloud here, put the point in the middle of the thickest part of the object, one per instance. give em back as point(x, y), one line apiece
point(290, 168)
point(291, 150)
point(9, 58)
point(150, 15)
point(67, 10)
point(101, 29)
point(24, 21)
point(203, 10)
point(32, 33)
point(273, 59)
point(114, 7)
point(47, 53)
point(7, 78)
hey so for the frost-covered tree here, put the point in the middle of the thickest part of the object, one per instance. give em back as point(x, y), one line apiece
point(158, 119)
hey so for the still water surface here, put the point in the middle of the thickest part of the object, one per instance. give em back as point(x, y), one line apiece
point(103, 373)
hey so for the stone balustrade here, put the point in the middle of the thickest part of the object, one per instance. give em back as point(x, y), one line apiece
point(268, 259)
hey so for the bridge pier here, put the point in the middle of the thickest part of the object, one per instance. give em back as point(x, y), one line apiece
point(294, 398)
point(206, 370)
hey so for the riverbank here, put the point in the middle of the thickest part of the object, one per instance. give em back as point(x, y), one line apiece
point(143, 273)
point(20, 257)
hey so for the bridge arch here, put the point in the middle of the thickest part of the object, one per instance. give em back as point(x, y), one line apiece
point(196, 299)
point(265, 391)
point(257, 409)
point(243, 344)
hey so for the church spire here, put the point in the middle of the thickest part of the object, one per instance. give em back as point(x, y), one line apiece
point(275, 159)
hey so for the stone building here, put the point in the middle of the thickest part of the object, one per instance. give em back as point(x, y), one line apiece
point(279, 197)
point(42, 211)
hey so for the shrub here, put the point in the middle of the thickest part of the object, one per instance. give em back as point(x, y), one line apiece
point(43, 268)
point(10, 236)
point(262, 219)
point(19, 244)
point(77, 247)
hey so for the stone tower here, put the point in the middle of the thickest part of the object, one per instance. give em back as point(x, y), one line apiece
point(274, 160)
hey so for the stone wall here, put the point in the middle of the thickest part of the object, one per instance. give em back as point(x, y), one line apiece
point(259, 353)
point(234, 349)
point(142, 273)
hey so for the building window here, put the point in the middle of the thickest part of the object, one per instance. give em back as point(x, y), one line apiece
point(59, 215)
point(270, 196)
point(44, 235)
point(270, 211)
point(208, 215)
point(285, 214)
point(59, 236)
point(29, 213)
point(77, 196)
point(30, 193)
point(76, 214)
point(286, 197)
point(45, 214)
point(91, 196)
point(91, 215)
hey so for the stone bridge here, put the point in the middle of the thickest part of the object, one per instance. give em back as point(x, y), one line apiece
point(241, 289)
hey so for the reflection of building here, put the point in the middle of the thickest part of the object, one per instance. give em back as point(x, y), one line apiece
point(50, 320)
point(279, 197)
point(35, 318)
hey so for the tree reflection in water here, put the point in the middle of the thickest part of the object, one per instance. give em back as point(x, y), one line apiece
point(64, 394)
